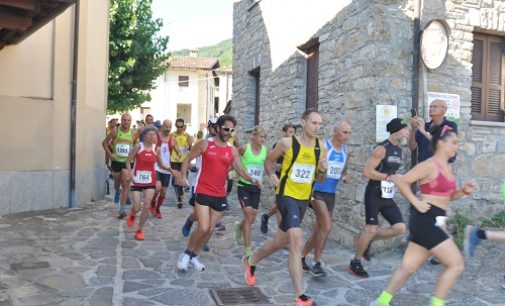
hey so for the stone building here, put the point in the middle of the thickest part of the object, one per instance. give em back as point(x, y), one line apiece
point(346, 57)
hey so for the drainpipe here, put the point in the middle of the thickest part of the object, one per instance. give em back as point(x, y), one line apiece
point(415, 65)
point(73, 108)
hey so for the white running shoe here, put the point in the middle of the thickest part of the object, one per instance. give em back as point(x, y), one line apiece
point(197, 264)
point(183, 262)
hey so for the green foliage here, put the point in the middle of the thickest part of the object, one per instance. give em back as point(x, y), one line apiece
point(457, 225)
point(496, 221)
point(137, 55)
point(223, 51)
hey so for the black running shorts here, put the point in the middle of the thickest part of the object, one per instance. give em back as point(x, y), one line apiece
point(216, 203)
point(327, 198)
point(249, 195)
point(424, 229)
point(164, 178)
point(291, 210)
point(375, 204)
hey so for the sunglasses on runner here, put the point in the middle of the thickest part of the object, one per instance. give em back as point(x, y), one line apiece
point(179, 126)
point(227, 129)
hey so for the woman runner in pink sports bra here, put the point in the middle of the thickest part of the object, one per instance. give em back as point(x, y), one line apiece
point(427, 218)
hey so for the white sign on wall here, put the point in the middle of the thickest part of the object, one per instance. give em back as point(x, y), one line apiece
point(453, 104)
point(383, 114)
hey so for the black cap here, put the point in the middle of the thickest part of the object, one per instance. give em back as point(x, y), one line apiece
point(395, 125)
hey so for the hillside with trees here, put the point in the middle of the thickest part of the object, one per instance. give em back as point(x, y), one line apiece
point(223, 51)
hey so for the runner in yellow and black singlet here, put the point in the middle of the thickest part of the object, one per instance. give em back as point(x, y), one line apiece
point(182, 145)
point(304, 161)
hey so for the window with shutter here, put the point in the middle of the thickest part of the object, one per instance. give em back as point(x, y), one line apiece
point(488, 78)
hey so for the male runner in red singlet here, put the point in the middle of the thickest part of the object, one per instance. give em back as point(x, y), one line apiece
point(210, 200)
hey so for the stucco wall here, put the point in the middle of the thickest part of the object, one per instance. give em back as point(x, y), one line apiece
point(35, 158)
point(365, 59)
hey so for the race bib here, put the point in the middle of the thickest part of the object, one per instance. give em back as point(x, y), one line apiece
point(256, 172)
point(302, 173)
point(440, 221)
point(334, 170)
point(143, 177)
point(183, 150)
point(388, 189)
point(122, 149)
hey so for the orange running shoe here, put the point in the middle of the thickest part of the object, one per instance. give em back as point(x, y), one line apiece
point(304, 300)
point(153, 211)
point(139, 235)
point(131, 219)
point(249, 276)
point(158, 214)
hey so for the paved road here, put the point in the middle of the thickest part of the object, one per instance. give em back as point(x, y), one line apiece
point(85, 256)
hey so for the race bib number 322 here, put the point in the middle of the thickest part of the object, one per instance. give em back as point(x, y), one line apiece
point(302, 173)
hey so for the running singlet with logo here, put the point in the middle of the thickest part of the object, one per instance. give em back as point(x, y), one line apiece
point(183, 144)
point(213, 170)
point(122, 145)
point(336, 163)
point(297, 176)
point(143, 169)
point(389, 165)
point(254, 164)
point(165, 157)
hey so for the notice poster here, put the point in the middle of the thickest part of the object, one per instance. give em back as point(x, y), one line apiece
point(384, 114)
point(452, 101)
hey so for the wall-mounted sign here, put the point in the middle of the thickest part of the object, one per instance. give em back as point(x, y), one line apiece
point(453, 104)
point(383, 114)
point(434, 44)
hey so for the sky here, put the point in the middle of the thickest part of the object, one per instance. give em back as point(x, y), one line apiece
point(194, 23)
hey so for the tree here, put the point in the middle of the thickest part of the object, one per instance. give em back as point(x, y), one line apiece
point(137, 56)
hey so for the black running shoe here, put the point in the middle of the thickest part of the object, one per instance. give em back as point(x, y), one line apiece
point(317, 270)
point(305, 266)
point(434, 261)
point(356, 268)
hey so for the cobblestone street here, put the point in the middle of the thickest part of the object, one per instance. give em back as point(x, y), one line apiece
point(86, 256)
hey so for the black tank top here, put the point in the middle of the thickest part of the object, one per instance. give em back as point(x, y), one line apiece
point(392, 161)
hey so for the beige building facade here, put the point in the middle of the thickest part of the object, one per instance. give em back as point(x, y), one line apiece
point(347, 57)
point(35, 99)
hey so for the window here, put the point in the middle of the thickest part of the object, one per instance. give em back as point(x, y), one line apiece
point(183, 81)
point(256, 78)
point(488, 78)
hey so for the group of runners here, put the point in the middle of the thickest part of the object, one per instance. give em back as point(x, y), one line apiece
point(305, 171)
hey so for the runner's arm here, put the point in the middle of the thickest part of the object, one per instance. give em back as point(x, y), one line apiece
point(373, 162)
point(239, 167)
point(323, 165)
point(106, 141)
point(280, 149)
point(130, 159)
point(195, 151)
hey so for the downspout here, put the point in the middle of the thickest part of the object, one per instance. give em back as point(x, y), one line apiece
point(415, 66)
point(73, 108)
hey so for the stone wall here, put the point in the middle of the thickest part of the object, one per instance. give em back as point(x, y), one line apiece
point(366, 59)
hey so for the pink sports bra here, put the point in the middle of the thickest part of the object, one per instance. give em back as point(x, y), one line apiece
point(441, 186)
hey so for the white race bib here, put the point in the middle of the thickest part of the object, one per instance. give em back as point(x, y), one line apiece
point(388, 189)
point(302, 173)
point(256, 172)
point(143, 177)
point(335, 170)
point(183, 150)
point(122, 149)
point(440, 221)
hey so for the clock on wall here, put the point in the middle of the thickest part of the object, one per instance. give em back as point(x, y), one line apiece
point(434, 44)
